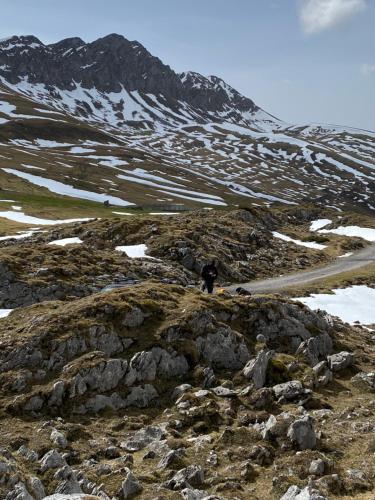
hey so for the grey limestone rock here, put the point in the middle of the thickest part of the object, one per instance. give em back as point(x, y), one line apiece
point(52, 460)
point(340, 361)
point(256, 369)
point(302, 434)
point(223, 349)
point(130, 486)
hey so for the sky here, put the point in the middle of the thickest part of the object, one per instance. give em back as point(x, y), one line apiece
point(301, 60)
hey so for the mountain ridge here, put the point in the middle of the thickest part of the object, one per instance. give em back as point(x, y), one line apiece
point(123, 64)
point(172, 138)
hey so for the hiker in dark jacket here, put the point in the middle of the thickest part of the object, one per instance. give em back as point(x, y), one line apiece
point(209, 274)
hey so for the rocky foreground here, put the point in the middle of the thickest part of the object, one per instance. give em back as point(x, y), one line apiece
point(161, 392)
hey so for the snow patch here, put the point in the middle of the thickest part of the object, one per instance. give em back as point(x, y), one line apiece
point(355, 303)
point(66, 241)
point(308, 244)
point(20, 236)
point(319, 223)
point(5, 312)
point(134, 251)
point(348, 254)
point(66, 189)
point(367, 233)
point(28, 219)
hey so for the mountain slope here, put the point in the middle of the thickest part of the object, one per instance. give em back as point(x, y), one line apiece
point(110, 119)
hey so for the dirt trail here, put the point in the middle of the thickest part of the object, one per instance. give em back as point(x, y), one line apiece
point(340, 265)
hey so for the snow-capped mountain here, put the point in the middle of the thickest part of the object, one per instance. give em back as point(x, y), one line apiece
point(153, 135)
point(121, 79)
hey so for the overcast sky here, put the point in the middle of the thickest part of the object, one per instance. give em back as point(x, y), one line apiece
point(301, 60)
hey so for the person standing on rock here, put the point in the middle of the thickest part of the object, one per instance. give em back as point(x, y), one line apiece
point(209, 274)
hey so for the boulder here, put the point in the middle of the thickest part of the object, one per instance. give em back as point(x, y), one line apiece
point(29, 455)
point(295, 493)
point(192, 475)
point(302, 434)
point(191, 494)
point(142, 367)
point(52, 460)
point(130, 486)
point(147, 365)
point(340, 361)
point(57, 394)
point(141, 397)
point(315, 348)
point(59, 439)
point(256, 369)
point(69, 484)
point(317, 467)
point(35, 403)
point(37, 488)
point(180, 390)
point(20, 492)
point(143, 438)
point(100, 402)
point(277, 426)
point(134, 318)
point(289, 390)
point(170, 458)
point(224, 392)
point(364, 381)
point(223, 349)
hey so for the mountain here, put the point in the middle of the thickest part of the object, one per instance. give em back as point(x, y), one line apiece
point(108, 120)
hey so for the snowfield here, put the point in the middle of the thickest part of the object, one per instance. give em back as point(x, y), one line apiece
point(352, 304)
point(4, 312)
point(134, 251)
point(308, 244)
point(66, 241)
point(20, 236)
point(29, 219)
point(367, 233)
point(318, 224)
point(67, 190)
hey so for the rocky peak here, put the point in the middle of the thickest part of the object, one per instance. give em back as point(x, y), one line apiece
point(67, 43)
point(111, 64)
point(15, 41)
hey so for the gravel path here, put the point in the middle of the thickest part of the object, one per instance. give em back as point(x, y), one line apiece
point(355, 261)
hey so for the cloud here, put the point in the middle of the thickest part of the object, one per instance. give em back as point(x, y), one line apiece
point(320, 15)
point(367, 69)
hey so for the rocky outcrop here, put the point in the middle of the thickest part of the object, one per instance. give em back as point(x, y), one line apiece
point(153, 391)
point(256, 369)
point(100, 367)
point(223, 349)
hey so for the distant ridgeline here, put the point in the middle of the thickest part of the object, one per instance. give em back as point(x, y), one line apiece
point(107, 120)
